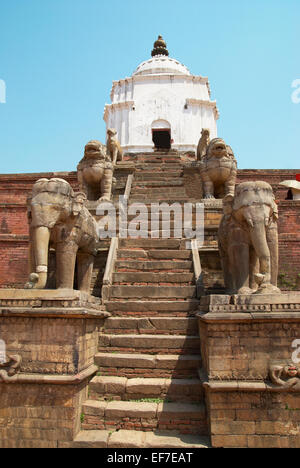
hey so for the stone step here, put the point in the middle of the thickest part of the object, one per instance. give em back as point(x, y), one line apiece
point(121, 388)
point(152, 325)
point(144, 416)
point(153, 292)
point(158, 193)
point(163, 244)
point(157, 183)
point(152, 344)
point(162, 278)
point(138, 439)
point(184, 265)
point(163, 198)
point(147, 365)
point(158, 175)
point(162, 308)
point(158, 186)
point(158, 254)
point(158, 165)
point(159, 160)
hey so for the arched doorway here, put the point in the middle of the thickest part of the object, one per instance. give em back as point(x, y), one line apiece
point(161, 134)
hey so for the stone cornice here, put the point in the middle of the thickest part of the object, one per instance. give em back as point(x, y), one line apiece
point(85, 305)
point(14, 237)
point(52, 379)
point(220, 317)
point(202, 102)
point(116, 106)
point(53, 312)
point(249, 307)
point(159, 76)
point(243, 386)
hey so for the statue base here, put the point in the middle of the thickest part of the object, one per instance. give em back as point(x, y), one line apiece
point(48, 298)
point(246, 341)
point(48, 343)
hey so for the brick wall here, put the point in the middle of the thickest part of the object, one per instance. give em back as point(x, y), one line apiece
point(14, 228)
point(289, 245)
point(254, 419)
point(39, 416)
point(238, 349)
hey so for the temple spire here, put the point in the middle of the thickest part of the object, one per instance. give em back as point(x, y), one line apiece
point(160, 47)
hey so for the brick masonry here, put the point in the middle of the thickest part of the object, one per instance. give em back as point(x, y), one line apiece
point(254, 419)
point(238, 348)
point(14, 227)
point(40, 406)
point(39, 416)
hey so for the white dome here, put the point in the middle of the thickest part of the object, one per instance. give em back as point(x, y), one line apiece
point(161, 64)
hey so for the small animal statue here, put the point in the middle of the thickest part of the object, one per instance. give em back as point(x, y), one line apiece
point(203, 144)
point(218, 169)
point(113, 146)
point(95, 172)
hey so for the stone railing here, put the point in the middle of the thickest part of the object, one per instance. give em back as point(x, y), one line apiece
point(197, 267)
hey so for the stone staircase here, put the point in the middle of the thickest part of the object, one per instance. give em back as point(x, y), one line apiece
point(147, 392)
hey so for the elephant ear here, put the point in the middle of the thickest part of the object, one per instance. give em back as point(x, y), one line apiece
point(228, 204)
point(275, 214)
point(78, 203)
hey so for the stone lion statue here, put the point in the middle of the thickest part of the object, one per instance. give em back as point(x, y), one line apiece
point(218, 169)
point(113, 146)
point(95, 172)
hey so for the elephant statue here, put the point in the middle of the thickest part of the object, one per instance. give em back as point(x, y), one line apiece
point(218, 168)
point(95, 172)
point(248, 240)
point(59, 219)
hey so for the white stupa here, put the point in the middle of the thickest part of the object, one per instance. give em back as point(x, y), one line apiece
point(161, 105)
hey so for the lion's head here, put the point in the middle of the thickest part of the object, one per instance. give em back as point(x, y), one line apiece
point(217, 149)
point(95, 150)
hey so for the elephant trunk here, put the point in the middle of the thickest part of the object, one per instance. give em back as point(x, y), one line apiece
point(259, 242)
point(41, 238)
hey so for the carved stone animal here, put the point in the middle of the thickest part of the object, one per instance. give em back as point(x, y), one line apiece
point(203, 144)
point(95, 172)
point(286, 375)
point(59, 219)
point(218, 169)
point(113, 146)
point(248, 240)
point(10, 368)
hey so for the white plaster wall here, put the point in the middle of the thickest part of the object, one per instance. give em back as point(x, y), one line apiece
point(139, 101)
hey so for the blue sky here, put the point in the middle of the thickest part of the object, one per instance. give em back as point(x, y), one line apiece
point(58, 59)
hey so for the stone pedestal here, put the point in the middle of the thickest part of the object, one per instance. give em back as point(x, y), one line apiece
point(50, 340)
point(249, 347)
